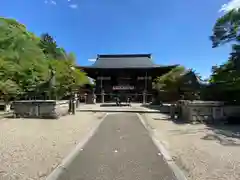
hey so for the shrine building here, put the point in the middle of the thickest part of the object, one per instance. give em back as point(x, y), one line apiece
point(124, 75)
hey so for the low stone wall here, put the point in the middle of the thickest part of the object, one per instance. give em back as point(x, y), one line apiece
point(201, 111)
point(40, 108)
point(230, 111)
point(2, 105)
point(165, 108)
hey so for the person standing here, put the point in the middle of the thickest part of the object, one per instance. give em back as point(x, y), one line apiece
point(129, 101)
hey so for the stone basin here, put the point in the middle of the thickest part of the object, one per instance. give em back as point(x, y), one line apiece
point(47, 109)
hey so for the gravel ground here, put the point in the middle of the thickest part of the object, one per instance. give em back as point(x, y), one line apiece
point(32, 148)
point(200, 151)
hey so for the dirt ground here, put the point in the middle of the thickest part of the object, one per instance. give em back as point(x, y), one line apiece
point(202, 152)
point(32, 148)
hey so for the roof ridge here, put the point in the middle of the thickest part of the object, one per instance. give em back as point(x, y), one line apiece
point(123, 55)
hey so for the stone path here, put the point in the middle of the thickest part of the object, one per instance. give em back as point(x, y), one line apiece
point(121, 149)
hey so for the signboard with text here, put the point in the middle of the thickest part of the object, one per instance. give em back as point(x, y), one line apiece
point(123, 87)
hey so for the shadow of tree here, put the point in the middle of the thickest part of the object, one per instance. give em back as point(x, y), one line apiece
point(225, 134)
point(165, 109)
point(112, 105)
point(221, 137)
point(223, 140)
point(188, 131)
point(232, 131)
point(155, 107)
point(166, 118)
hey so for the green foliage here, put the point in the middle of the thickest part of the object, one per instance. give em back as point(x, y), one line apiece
point(226, 28)
point(225, 78)
point(171, 80)
point(168, 84)
point(26, 62)
point(50, 47)
point(177, 84)
point(68, 78)
point(225, 81)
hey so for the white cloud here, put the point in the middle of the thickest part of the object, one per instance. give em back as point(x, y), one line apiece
point(73, 6)
point(53, 2)
point(50, 2)
point(92, 60)
point(233, 4)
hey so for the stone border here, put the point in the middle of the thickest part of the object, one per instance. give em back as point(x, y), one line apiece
point(160, 145)
point(55, 174)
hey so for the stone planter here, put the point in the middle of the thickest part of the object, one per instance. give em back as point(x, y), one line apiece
point(40, 108)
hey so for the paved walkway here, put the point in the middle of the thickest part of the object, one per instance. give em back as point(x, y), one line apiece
point(121, 149)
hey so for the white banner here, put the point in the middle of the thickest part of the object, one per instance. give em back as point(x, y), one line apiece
point(103, 78)
point(123, 87)
point(142, 78)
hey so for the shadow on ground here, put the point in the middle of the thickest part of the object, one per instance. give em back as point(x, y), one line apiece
point(227, 130)
point(112, 105)
point(222, 139)
point(149, 106)
point(115, 110)
point(227, 134)
point(188, 131)
point(165, 109)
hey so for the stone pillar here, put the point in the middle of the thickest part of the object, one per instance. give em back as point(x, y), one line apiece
point(102, 96)
point(217, 113)
point(85, 98)
point(172, 111)
point(77, 100)
point(144, 97)
point(74, 106)
point(70, 106)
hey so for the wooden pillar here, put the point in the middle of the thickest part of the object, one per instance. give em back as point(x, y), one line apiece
point(145, 88)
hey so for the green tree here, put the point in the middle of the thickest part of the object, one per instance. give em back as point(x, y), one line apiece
point(8, 87)
point(226, 28)
point(50, 48)
point(170, 81)
point(68, 78)
point(168, 84)
point(19, 52)
point(26, 60)
point(225, 78)
point(179, 83)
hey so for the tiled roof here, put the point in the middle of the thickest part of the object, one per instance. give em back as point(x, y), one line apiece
point(124, 61)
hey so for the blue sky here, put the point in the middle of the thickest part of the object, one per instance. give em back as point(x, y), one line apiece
point(174, 31)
